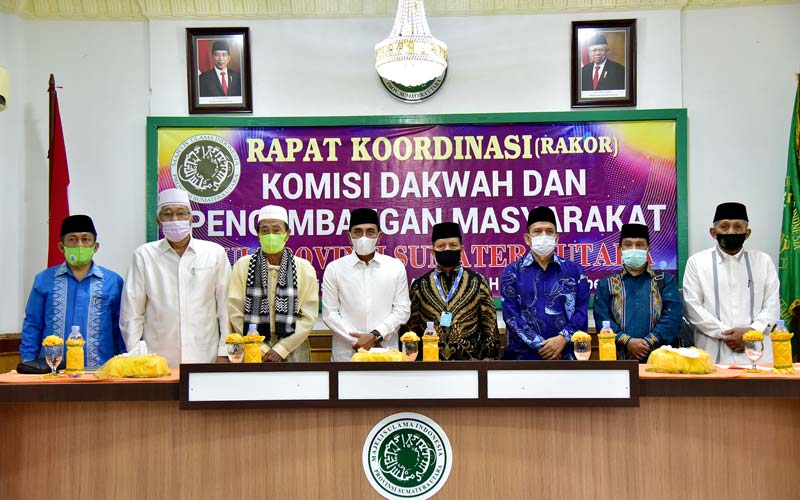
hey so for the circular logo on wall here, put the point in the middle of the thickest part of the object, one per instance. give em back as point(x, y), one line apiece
point(407, 456)
point(416, 93)
point(207, 167)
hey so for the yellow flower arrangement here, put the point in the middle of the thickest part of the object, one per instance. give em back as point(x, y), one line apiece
point(52, 341)
point(608, 335)
point(378, 355)
point(234, 338)
point(581, 336)
point(75, 343)
point(409, 337)
point(252, 339)
point(781, 336)
point(753, 336)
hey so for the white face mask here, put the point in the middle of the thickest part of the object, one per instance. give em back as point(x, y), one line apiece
point(543, 245)
point(364, 245)
point(176, 230)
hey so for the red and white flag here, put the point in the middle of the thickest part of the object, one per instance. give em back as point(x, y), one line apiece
point(59, 178)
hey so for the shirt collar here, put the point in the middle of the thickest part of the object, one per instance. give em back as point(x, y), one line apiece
point(648, 270)
point(164, 246)
point(453, 272)
point(725, 256)
point(376, 260)
point(95, 270)
point(530, 260)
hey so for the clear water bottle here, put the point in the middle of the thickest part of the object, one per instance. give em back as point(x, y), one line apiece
point(780, 327)
point(430, 343)
point(252, 345)
point(606, 342)
point(75, 356)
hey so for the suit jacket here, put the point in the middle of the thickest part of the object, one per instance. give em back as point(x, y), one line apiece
point(612, 78)
point(210, 85)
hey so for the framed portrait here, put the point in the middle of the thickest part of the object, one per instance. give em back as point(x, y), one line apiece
point(603, 67)
point(218, 70)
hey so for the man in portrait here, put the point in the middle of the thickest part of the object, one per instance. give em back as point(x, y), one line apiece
point(601, 73)
point(220, 81)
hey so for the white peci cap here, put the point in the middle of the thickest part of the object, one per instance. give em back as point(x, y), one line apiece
point(273, 212)
point(173, 197)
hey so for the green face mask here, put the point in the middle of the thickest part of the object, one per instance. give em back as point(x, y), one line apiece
point(272, 243)
point(78, 256)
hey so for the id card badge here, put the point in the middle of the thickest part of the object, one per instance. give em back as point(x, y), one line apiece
point(446, 319)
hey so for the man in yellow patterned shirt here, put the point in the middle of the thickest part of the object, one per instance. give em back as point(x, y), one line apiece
point(275, 290)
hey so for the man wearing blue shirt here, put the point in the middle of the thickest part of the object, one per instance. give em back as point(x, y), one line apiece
point(545, 297)
point(77, 292)
point(642, 304)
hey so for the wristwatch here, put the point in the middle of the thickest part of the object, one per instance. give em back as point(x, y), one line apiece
point(378, 336)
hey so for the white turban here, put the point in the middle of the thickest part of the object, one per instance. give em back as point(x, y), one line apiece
point(273, 212)
point(173, 197)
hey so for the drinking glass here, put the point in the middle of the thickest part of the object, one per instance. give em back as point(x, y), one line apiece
point(583, 349)
point(410, 349)
point(754, 349)
point(235, 353)
point(53, 355)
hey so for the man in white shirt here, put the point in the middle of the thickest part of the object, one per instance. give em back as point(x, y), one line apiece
point(728, 291)
point(364, 294)
point(175, 293)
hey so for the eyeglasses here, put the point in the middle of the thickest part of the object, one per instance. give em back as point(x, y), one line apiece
point(369, 233)
point(170, 215)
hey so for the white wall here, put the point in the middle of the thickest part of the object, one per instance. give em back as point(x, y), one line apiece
point(13, 185)
point(323, 67)
point(115, 74)
point(739, 69)
point(102, 68)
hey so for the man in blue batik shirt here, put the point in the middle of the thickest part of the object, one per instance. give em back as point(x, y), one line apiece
point(545, 297)
point(78, 292)
point(642, 304)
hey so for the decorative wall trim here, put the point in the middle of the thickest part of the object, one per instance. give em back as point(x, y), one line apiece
point(294, 9)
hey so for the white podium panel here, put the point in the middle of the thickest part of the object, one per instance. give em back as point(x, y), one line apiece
point(259, 386)
point(408, 384)
point(558, 384)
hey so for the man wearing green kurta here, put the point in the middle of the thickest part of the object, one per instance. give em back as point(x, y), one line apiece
point(275, 290)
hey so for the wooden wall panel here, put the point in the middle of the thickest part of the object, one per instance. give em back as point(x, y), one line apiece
point(687, 448)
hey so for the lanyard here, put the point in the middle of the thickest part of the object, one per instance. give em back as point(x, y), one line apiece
point(452, 288)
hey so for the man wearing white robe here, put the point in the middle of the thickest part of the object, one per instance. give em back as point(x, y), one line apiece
point(728, 290)
point(175, 293)
point(364, 294)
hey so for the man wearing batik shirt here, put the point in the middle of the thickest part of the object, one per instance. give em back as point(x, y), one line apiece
point(728, 290)
point(545, 297)
point(75, 293)
point(365, 293)
point(643, 305)
point(457, 300)
point(275, 290)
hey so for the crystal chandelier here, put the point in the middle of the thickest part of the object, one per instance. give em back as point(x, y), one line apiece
point(410, 55)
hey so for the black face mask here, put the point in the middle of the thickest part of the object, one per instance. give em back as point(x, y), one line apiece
point(731, 242)
point(448, 258)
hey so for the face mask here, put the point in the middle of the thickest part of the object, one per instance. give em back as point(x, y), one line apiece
point(731, 242)
point(272, 243)
point(543, 245)
point(78, 256)
point(176, 230)
point(448, 258)
point(364, 245)
point(634, 258)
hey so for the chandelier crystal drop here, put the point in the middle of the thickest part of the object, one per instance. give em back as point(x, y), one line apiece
point(410, 55)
